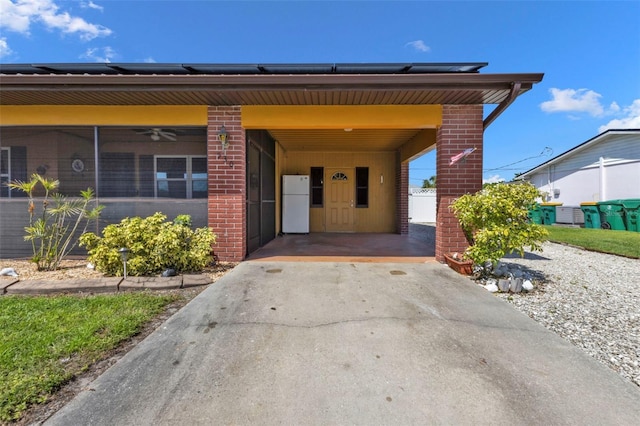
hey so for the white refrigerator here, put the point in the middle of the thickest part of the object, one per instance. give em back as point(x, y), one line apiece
point(295, 204)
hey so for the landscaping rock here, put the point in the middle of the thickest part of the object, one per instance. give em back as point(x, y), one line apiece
point(491, 287)
point(503, 285)
point(10, 272)
point(527, 286)
point(515, 285)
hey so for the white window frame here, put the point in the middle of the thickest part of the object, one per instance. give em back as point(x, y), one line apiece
point(188, 178)
point(8, 174)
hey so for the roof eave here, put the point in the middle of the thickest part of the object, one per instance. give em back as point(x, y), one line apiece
point(338, 81)
point(588, 143)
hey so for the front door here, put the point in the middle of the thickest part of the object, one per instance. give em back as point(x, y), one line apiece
point(339, 206)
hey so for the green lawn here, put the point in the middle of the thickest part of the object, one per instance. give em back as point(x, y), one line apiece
point(623, 243)
point(45, 341)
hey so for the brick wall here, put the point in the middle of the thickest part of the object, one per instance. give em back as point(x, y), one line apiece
point(461, 129)
point(402, 199)
point(226, 178)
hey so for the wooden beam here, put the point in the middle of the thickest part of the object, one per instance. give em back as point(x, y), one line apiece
point(418, 145)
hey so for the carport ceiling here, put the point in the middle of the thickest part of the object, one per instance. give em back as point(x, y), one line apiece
point(341, 141)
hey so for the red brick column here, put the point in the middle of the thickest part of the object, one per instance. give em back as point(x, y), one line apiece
point(461, 129)
point(402, 196)
point(226, 178)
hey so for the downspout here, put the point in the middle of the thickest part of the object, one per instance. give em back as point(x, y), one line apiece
point(513, 94)
point(603, 178)
point(548, 197)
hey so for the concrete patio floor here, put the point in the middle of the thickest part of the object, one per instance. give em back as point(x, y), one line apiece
point(416, 247)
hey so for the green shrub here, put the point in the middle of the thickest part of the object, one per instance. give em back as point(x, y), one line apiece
point(494, 221)
point(154, 245)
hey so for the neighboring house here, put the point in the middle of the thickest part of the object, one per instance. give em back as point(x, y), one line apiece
point(214, 140)
point(606, 167)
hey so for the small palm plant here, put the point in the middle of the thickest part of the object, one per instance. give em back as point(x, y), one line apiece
point(53, 232)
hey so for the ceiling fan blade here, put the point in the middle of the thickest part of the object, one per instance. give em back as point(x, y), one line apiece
point(168, 135)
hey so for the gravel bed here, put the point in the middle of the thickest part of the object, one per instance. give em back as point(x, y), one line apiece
point(590, 299)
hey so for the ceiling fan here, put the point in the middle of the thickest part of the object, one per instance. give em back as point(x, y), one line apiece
point(157, 133)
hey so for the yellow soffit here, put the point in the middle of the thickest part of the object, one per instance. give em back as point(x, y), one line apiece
point(103, 115)
point(342, 117)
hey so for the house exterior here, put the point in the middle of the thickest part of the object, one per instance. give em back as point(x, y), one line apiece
point(606, 167)
point(214, 140)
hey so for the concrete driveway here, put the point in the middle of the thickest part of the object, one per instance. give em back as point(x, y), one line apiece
point(318, 343)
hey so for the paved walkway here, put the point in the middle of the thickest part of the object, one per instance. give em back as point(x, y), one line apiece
point(328, 343)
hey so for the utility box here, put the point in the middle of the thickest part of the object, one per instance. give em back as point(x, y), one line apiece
point(570, 215)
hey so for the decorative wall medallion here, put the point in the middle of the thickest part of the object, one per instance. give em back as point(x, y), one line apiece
point(77, 165)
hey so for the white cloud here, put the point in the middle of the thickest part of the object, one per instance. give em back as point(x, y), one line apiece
point(91, 5)
point(587, 101)
point(419, 46)
point(5, 50)
point(629, 120)
point(571, 100)
point(493, 179)
point(18, 15)
point(104, 54)
point(149, 60)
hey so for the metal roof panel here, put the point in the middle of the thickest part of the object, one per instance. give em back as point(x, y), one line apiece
point(218, 69)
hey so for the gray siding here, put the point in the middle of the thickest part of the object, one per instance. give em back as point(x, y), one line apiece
point(577, 177)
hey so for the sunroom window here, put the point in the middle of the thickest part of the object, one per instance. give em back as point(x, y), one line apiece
point(181, 176)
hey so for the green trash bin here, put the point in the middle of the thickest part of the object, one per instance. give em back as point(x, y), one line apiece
point(612, 215)
point(631, 208)
point(535, 215)
point(548, 211)
point(591, 214)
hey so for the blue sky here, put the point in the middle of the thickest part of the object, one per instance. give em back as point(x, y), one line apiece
point(589, 52)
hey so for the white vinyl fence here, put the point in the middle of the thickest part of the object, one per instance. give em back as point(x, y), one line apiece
point(422, 205)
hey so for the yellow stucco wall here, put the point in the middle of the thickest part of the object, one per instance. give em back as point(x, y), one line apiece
point(380, 215)
point(103, 115)
point(341, 116)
